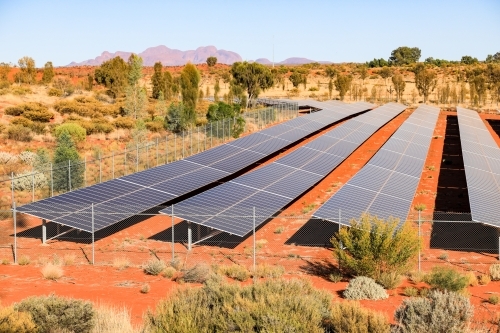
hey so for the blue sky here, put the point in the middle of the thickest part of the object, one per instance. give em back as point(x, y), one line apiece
point(338, 31)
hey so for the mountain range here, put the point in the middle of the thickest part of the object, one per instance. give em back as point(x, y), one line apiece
point(173, 57)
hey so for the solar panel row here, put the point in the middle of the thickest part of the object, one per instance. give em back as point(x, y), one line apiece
point(228, 207)
point(126, 196)
point(481, 157)
point(385, 186)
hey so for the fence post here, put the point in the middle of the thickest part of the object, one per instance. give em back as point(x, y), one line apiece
point(175, 146)
point(166, 149)
point(100, 168)
point(93, 258)
point(183, 144)
point(125, 162)
point(69, 174)
point(136, 157)
point(32, 184)
point(51, 180)
point(173, 243)
point(254, 243)
point(419, 239)
point(156, 151)
point(191, 142)
point(14, 212)
point(12, 187)
point(147, 156)
point(85, 171)
point(113, 164)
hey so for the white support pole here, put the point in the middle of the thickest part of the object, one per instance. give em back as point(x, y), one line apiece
point(44, 231)
point(32, 185)
point(166, 149)
point(173, 243)
point(93, 248)
point(157, 151)
point(420, 240)
point(147, 156)
point(190, 236)
point(51, 180)
point(125, 161)
point(12, 195)
point(191, 142)
point(69, 174)
point(100, 168)
point(14, 214)
point(84, 171)
point(183, 144)
point(136, 157)
point(113, 163)
point(254, 244)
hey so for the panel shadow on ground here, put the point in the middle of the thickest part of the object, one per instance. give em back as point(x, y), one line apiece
point(463, 236)
point(315, 232)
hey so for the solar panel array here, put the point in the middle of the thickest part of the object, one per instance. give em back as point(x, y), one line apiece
point(126, 196)
point(482, 167)
point(228, 207)
point(386, 185)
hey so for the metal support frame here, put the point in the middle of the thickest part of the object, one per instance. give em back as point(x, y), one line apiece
point(62, 233)
point(190, 236)
point(44, 231)
point(14, 215)
point(210, 235)
point(173, 243)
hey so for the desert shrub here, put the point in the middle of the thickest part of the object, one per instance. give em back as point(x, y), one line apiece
point(4, 84)
point(350, 317)
point(493, 299)
point(109, 319)
point(26, 181)
point(14, 111)
point(199, 273)
point(445, 278)
point(495, 272)
point(55, 92)
point(38, 127)
point(389, 280)
point(145, 288)
point(21, 91)
point(372, 246)
point(24, 260)
point(154, 126)
point(69, 259)
point(12, 321)
point(19, 133)
point(363, 287)
point(335, 277)
point(32, 111)
point(77, 132)
point(439, 312)
point(416, 277)
point(43, 116)
point(483, 279)
point(269, 271)
point(269, 306)
point(89, 126)
point(279, 230)
point(103, 126)
point(154, 267)
point(51, 313)
point(411, 292)
point(472, 279)
point(21, 121)
point(27, 157)
point(52, 272)
point(121, 263)
point(168, 272)
point(236, 272)
point(86, 107)
point(124, 122)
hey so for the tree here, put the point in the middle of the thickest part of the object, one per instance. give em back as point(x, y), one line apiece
point(135, 95)
point(216, 90)
point(158, 81)
point(48, 72)
point(399, 85)
point(371, 246)
point(169, 83)
point(4, 71)
point(404, 55)
point(425, 80)
point(377, 63)
point(161, 105)
point(75, 131)
point(468, 60)
point(90, 82)
point(190, 80)
point(343, 84)
point(296, 78)
point(113, 75)
point(251, 77)
point(211, 61)
point(28, 70)
point(226, 78)
point(330, 72)
point(330, 88)
point(68, 169)
point(363, 73)
point(176, 119)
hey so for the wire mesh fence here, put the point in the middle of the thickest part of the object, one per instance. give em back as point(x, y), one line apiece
point(27, 183)
point(297, 242)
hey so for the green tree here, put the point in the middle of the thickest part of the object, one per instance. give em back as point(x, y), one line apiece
point(425, 80)
point(363, 73)
point(343, 84)
point(161, 106)
point(4, 71)
point(68, 169)
point(90, 82)
point(113, 74)
point(221, 111)
point(216, 90)
point(377, 63)
point(75, 131)
point(48, 72)
point(28, 70)
point(404, 55)
point(135, 95)
point(190, 80)
point(169, 82)
point(158, 80)
point(252, 78)
point(211, 61)
point(399, 86)
point(468, 60)
point(42, 159)
point(176, 119)
point(479, 83)
point(371, 246)
point(296, 78)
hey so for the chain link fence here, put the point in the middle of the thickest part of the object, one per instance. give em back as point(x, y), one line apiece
point(299, 243)
point(27, 184)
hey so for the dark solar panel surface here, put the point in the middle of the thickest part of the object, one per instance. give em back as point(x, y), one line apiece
point(126, 196)
point(386, 185)
point(482, 167)
point(228, 207)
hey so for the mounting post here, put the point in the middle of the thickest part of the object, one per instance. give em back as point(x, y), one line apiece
point(190, 236)
point(136, 157)
point(93, 249)
point(254, 243)
point(419, 239)
point(14, 214)
point(32, 184)
point(113, 163)
point(44, 231)
point(173, 243)
point(84, 170)
point(52, 180)
point(12, 197)
point(69, 174)
point(100, 168)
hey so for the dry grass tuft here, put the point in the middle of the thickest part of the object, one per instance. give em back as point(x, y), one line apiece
point(145, 288)
point(69, 259)
point(121, 263)
point(52, 272)
point(109, 319)
point(24, 260)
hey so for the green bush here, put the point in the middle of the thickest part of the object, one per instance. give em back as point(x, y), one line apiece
point(350, 317)
point(199, 273)
point(38, 127)
point(103, 126)
point(55, 92)
point(77, 132)
point(411, 292)
point(440, 312)
point(39, 115)
point(19, 133)
point(51, 313)
point(33, 111)
point(445, 278)
point(493, 299)
point(236, 272)
point(154, 126)
point(21, 121)
point(270, 306)
point(86, 107)
point(125, 122)
point(389, 280)
point(372, 246)
point(14, 111)
point(363, 287)
point(12, 321)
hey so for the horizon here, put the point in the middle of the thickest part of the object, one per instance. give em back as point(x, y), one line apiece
point(335, 32)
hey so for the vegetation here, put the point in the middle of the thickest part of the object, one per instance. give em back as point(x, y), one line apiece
point(177, 119)
point(235, 272)
point(70, 176)
point(399, 86)
point(51, 313)
point(75, 131)
point(48, 72)
point(12, 321)
point(350, 317)
point(199, 273)
point(27, 73)
point(439, 312)
point(425, 80)
point(495, 272)
point(445, 278)
point(190, 80)
point(113, 75)
point(211, 61)
point(343, 84)
point(135, 95)
point(252, 78)
point(154, 267)
point(52, 272)
point(363, 287)
point(371, 246)
point(404, 56)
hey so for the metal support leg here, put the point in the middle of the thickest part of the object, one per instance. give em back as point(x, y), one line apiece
point(190, 236)
point(58, 228)
point(198, 231)
point(44, 231)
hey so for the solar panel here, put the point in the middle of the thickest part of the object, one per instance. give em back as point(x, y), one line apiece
point(386, 185)
point(126, 196)
point(481, 157)
point(228, 207)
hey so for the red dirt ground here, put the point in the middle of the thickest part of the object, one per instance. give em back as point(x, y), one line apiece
point(136, 242)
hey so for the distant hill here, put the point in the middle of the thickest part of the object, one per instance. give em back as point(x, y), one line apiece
point(168, 57)
point(290, 61)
